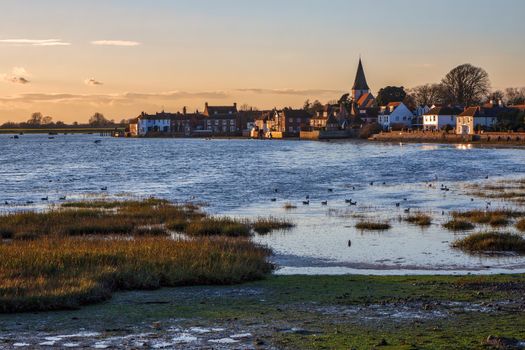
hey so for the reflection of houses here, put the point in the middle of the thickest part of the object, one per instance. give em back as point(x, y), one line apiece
point(395, 114)
point(440, 117)
point(221, 119)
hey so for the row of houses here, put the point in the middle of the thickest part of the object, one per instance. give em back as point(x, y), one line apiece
point(359, 108)
point(215, 120)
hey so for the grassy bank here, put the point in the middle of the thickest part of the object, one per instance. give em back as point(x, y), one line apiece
point(48, 273)
point(83, 251)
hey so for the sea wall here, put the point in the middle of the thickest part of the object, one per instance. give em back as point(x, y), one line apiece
point(513, 138)
point(325, 135)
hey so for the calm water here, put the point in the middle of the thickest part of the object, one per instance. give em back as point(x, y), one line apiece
point(240, 177)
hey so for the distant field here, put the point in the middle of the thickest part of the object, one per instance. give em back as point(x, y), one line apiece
point(59, 130)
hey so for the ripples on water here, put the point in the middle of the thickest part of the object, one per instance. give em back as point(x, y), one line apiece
point(239, 177)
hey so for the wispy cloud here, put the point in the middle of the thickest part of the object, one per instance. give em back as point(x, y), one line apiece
point(115, 43)
point(296, 92)
point(17, 80)
point(92, 82)
point(18, 75)
point(123, 98)
point(34, 42)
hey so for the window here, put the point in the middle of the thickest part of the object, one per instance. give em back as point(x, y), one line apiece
point(290, 120)
point(232, 121)
point(299, 120)
point(216, 122)
point(290, 129)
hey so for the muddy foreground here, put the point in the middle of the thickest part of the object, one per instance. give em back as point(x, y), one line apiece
point(292, 312)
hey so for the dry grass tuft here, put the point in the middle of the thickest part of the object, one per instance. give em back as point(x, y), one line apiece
point(266, 225)
point(373, 226)
point(420, 219)
point(458, 225)
point(491, 242)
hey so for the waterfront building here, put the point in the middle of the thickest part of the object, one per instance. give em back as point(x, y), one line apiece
point(395, 115)
point(158, 123)
point(290, 121)
point(221, 119)
point(333, 117)
point(440, 118)
point(478, 118)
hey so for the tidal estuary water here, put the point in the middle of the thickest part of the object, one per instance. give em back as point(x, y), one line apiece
point(248, 178)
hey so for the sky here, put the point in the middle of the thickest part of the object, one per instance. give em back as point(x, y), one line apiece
point(69, 59)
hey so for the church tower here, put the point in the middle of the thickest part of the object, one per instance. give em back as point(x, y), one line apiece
point(360, 85)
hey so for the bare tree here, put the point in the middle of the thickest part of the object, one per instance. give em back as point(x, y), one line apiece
point(466, 85)
point(427, 95)
point(515, 96)
point(98, 119)
point(36, 119)
point(47, 120)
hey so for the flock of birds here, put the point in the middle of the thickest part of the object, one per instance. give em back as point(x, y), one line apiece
point(351, 202)
point(46, 198)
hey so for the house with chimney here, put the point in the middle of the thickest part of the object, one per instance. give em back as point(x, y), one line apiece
point(440, 117)
point(221, 120)
point(153, 124)
point(290, 121)
point(478, 118)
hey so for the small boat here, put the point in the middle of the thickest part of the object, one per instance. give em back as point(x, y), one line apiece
point(15, 137)
point(98, 141)
point(51, 137)
point(306, 202)
point(324, 203)
point(45, 198)
point(105, 188)
point(63, 198)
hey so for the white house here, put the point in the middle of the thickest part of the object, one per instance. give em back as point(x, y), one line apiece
point(158, 122)
point(395, 113)
point(440, 117)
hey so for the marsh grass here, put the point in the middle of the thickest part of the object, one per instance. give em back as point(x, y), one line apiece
point(221, 226)
point(458, 225)
point(491, 242)
point(60, 273)
point(373, 225)
point(495, 218)
point(509, 190)
point(266, 225)
point(420, 219)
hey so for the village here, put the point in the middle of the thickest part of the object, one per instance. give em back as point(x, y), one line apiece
point(357, 114)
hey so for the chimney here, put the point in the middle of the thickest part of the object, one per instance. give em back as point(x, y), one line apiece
point(184, 110)
point(235, 105)
point(206, 104)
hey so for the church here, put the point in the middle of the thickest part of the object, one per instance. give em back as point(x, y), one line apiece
point(363, 102)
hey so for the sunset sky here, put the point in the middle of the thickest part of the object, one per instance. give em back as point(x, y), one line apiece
point(69, 59)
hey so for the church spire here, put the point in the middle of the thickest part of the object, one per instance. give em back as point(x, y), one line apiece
point(360, 79)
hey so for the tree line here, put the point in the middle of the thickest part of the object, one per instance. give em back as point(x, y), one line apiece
point(38, 120)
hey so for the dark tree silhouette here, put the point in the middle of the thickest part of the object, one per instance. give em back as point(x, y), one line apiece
point(466, 85)
point(390, 94)
point(427, 95)
point(98, 119)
